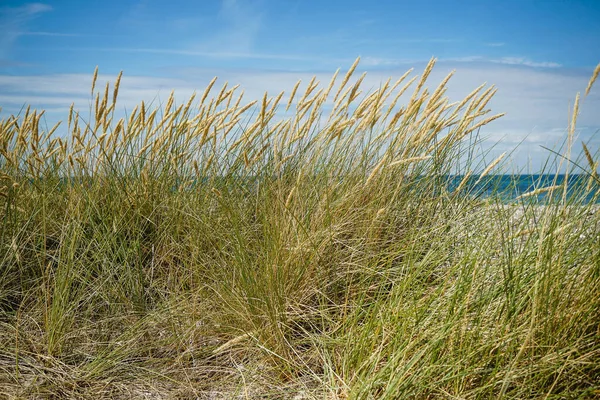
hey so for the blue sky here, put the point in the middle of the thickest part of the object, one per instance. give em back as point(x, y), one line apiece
point(538, 53)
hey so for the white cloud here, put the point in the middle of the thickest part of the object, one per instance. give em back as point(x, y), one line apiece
point(526, 62)
point(425, 40)
point(38, 33)
point(35, 8)
point(506, 60)
point(465, 59)
point(217, 54)
point(378, 62)
point(239, 23)
point(14, 21)
point(366, 22)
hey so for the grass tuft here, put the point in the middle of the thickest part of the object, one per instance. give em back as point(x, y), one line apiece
point(217, 249)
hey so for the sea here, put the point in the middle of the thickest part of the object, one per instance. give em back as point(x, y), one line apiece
point(510, 188)
point(581, 189)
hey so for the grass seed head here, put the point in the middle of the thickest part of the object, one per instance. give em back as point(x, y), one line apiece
point(207, 90)
point(94, 79)
point(116, 88)
point(592, 79)
point(490, 167)
point(346, 78)
point(539, 191)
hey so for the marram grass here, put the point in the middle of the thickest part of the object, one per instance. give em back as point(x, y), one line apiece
point(219, 249)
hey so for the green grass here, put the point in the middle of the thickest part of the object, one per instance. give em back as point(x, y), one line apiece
point(210, 251)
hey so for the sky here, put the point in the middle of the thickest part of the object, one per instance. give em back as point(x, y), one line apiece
point(539, 54)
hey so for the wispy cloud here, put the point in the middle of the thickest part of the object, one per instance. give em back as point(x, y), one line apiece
point(495, 44)
point(426, 40)
point(522, 61)
point(12, 64)
point(14, 21)
point(382, 62)
point(378, 62)
point(217, 54)
point(239, 23)
point(317, 59)
point(137, 15)
point(58, 34)
point(526, 62)
point(367, 22)
point(30, 9)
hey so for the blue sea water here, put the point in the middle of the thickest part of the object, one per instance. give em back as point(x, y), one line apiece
point(509, 187)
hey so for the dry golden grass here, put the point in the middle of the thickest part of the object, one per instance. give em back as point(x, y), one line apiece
point(216, 247)
point(592, 79)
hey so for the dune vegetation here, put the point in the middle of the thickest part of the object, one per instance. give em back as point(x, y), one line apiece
point(288, 248)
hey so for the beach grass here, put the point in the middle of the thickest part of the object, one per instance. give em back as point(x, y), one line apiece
point(221, 248)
